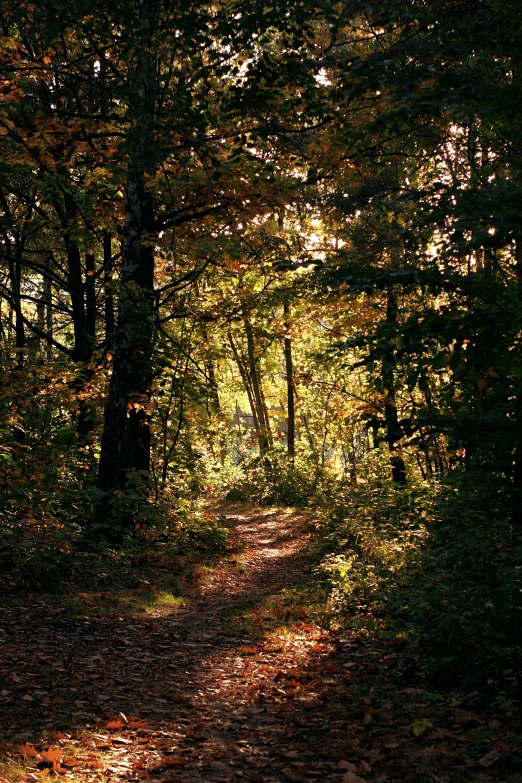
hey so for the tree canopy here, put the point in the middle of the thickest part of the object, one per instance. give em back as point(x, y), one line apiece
point(271, 252)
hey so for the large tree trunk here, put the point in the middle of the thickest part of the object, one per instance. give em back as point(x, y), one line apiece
point(126, 434)
point(289, 385)
point(137, 440)
point(125, 446)
point(393, 430)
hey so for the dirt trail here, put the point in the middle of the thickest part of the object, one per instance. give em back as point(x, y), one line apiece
point(237, 684)
point(202, 704)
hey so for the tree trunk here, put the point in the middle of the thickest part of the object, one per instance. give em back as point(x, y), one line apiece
point(265, 440)
point(110, 324)
point(248, 388)
point(126, 441)
point(15, 274)
point(517, 456)
point(82, 349)
point(48, 316)
point(125, 445)
point(40, 318)
point(85, 422)
point(289, 385)
point(393, 430)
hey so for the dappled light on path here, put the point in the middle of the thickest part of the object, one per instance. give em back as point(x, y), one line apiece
point(234, 682)
point(181, 691)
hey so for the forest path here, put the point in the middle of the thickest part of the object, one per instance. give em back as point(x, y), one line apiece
point(231, 685)
point(233, 682)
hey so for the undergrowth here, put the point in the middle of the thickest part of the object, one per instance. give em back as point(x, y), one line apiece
point(438, 567)
point(59, 554)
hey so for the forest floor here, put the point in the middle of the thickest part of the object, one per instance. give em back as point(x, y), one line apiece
point(230, 681)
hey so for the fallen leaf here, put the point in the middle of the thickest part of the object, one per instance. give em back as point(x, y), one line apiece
point(94, 763)
point(347, 765)
point(140, 763)
point(53, 755)
point(463, 716)
point(489, 758)
point(115, 724)
point(137, 723)
point(28, 750)
point(420, 726)
point(171, 762)
point(351, 777)
point(121, 741)
point(293, 774)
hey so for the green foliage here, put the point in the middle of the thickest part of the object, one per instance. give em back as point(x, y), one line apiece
point(278, 480)
point(435, 566)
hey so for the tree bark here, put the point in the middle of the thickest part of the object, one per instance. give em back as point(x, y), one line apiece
point(126, 441)
point(516, 479)
point(85, 422)
point(110, 323)
point(82, 349)
point(289, 385)
point(248, 388)
point(15, 273)
point(265, 441)
point(126, 434)
point(47, 295)
point(393, 430)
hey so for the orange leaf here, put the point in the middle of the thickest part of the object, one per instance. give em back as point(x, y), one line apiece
point(115, 724)
point(28, 750)
point(351, 777)
point(51, 754)
point(137, 723)
point(168, 762)
point(94, 763)
point(140, 763)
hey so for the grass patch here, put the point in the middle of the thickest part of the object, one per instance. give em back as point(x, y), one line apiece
point(259, 619)
point(126, 604)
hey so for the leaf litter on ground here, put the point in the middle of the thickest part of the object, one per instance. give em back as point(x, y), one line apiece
point(238, 682)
